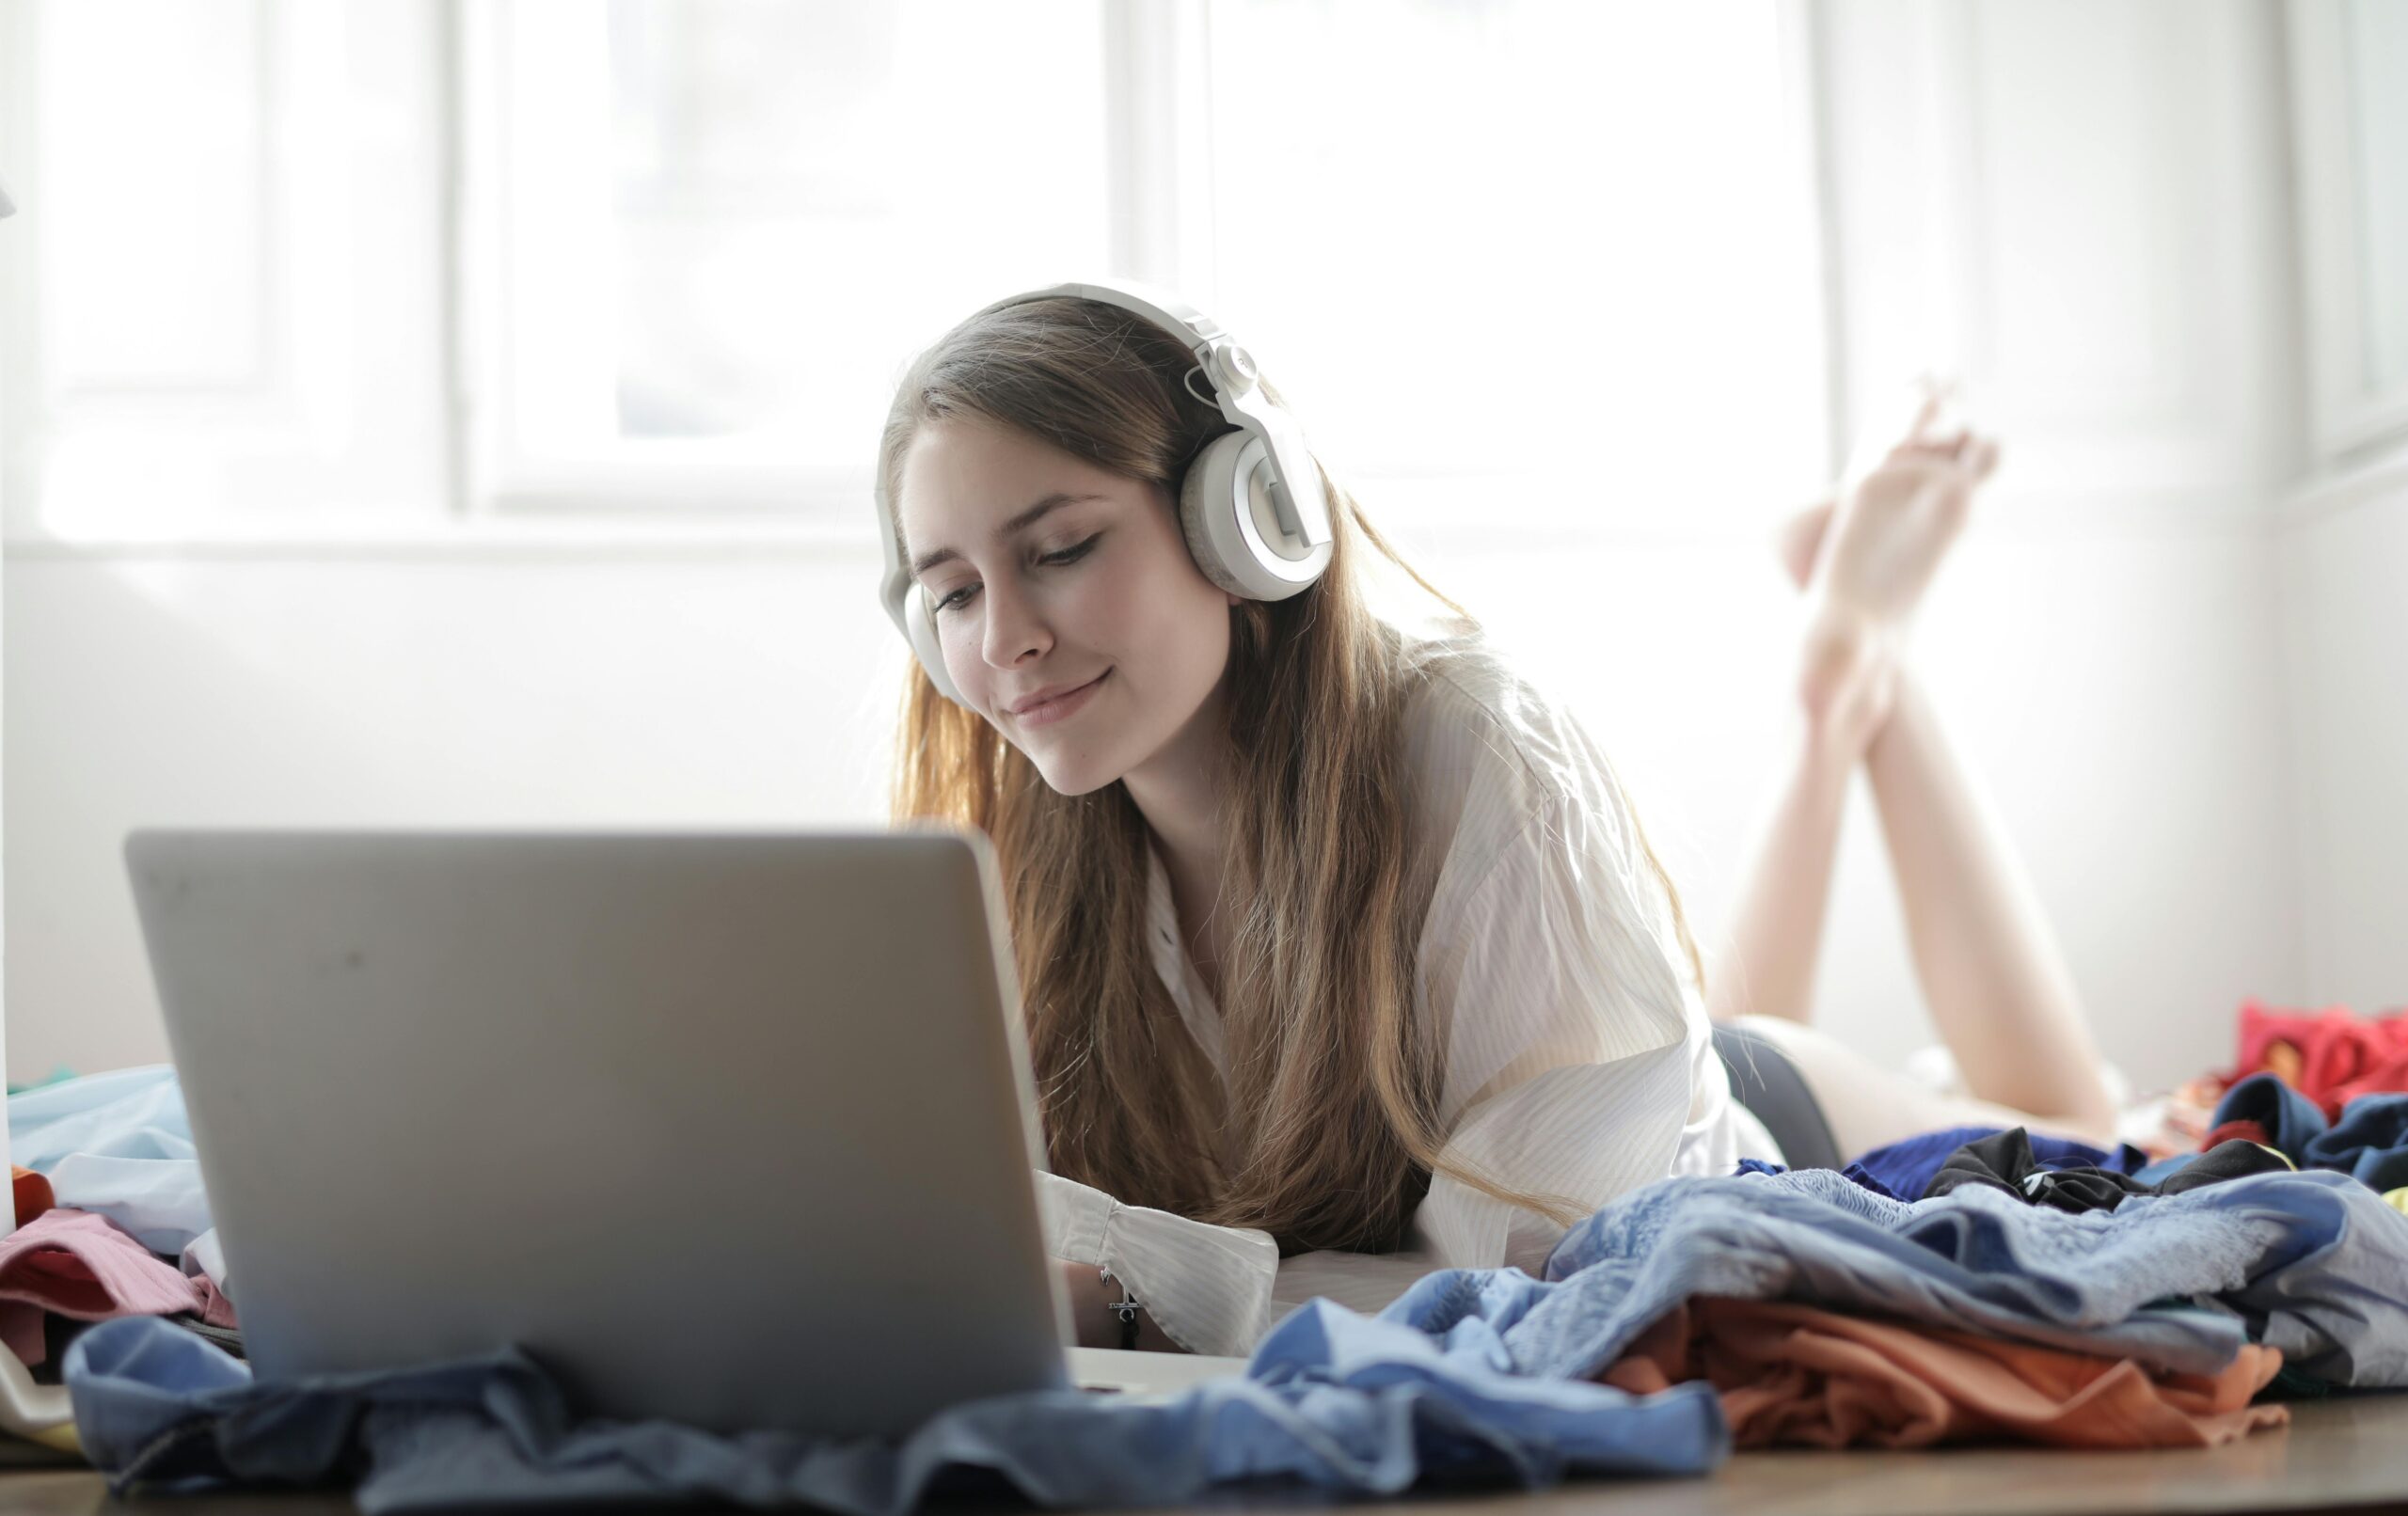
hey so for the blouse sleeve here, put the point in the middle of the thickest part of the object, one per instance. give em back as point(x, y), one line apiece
point(1570, 1034)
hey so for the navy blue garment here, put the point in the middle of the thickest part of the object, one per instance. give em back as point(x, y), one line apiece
point(2369, 1142)
point(2293, 1124)
point(1906, 1167)
point(1343, 1403)
point(2292, 1119)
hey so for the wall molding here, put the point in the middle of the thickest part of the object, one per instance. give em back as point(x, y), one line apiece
point(2336, 492)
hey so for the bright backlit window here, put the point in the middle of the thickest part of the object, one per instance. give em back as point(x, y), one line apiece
point(301, 266)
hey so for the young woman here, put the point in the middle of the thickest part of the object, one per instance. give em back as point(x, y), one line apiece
point(1343, 954)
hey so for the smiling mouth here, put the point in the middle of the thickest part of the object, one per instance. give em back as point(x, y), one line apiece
point(1065, 698)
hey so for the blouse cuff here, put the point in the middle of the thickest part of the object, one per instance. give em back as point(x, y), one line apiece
point(1208, 1287)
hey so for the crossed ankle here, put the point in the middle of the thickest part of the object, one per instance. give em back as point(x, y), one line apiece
point(1847, 677)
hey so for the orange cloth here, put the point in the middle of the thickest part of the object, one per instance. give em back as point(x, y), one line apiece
point(31, 1191)
point(1793, 1374)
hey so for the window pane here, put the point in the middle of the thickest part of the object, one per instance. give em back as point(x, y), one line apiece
point(1544, 237)
point(731, 221)
point(117, 187)
point(237, 231)
point(2378, 88)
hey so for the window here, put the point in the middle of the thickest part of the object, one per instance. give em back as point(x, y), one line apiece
point(2351, 139)
point(720, 228)
point(228, 209)
point(1566, 239)
point(309, 264)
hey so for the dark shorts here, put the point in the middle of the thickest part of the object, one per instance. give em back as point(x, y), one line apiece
point(1768, 1083)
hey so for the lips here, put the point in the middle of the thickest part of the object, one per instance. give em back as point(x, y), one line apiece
point(1063, 703)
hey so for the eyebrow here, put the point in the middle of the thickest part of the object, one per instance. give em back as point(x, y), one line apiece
point(1020, 523)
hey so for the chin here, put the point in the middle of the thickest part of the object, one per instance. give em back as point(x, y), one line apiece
point(1075, 778)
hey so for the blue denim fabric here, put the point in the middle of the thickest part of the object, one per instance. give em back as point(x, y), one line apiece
point(2369, 1142)
point(1338, 1401)
point(2292, 1119)
point(1471, 1374)
point(2312, 1263)
point(1906, 1167)
point(1855, 1173)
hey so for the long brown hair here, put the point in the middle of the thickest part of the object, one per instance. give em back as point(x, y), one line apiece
point(1328, 1120)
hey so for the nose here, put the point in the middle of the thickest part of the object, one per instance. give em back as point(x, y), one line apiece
point(1014, 628)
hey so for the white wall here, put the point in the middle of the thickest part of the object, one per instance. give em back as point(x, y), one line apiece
point(2119, 734)
point(2091, 222)
point(2342, 553)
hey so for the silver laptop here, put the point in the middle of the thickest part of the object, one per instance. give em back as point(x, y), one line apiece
point(733, 1129)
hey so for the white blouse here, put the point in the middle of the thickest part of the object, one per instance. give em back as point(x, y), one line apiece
point(1579, 1059)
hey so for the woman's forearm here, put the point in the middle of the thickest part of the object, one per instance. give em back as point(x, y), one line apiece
point(1092, 1298)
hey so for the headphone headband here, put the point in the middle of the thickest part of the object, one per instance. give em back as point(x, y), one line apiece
point(1251, 502)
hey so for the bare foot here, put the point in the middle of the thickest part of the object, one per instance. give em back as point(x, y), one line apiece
point(1864, 559)
point(1896, 521)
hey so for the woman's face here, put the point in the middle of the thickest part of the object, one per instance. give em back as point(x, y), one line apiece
point(1046, 574)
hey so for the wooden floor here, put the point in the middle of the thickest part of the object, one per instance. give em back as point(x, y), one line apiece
point(2336, 1455)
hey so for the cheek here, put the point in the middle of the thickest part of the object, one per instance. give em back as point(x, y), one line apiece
point(965, 661)
point(1184, 640)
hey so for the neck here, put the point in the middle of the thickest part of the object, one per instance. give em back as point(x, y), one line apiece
point(1180, 792)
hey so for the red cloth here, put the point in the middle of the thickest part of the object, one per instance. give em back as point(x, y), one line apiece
point(81, 1264)
point(32, 1194)
point(2242, 1131)
point(2332, 1056)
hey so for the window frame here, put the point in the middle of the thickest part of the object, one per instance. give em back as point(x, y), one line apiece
point(2351, 421)
point(1155, 68)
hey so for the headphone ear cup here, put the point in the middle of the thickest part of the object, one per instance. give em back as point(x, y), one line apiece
point(1210, 486)
point(1225, 509)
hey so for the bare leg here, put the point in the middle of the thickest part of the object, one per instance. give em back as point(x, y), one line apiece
point(1990, 971)
point(1998, 990)
point(1846, 684)
point(1766, 967)
point(1869, 1106)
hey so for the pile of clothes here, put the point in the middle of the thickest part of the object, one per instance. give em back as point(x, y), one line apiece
point(2332, 1059)
point(111, 1222)
point(1967, 1283)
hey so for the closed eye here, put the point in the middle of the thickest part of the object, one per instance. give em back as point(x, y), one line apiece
point(1062, 559)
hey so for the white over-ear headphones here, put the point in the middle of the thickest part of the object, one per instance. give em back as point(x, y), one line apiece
point(1250, 503)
